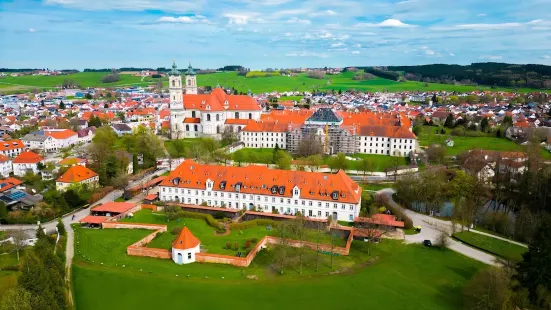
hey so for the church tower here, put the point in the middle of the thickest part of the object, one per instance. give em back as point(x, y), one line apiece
point(177, 112)
point(191, 81)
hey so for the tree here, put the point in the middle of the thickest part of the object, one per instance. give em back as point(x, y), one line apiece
point(436, 153)
point(442, 240)
point(507, 122)
point(299, 230)
point(489, 289)
point(61, 105)
point(19, 238)
point(449, 121)
point(533, 273)
point(309, 145)
point(284, 160)
point(16, 299)
point(88, 96)
point(484, 124)
point(338, 162)
point(61, 227)
point(238, 157)
point(281, 249)
point(228, 136)
point(3, 210)
point(315, 161)
point(94, 121)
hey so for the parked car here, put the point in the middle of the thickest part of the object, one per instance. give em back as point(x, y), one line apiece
point(427, 243)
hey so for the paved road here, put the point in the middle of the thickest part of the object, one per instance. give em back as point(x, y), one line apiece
point(498, 237)
point(432, 228)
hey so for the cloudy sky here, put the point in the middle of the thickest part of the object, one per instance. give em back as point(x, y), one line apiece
point(271, 33)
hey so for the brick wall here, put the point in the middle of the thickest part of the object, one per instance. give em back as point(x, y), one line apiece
point(150, 207)
point(149, 252)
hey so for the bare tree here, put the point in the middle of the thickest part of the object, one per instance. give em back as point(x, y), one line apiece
point(298, 230)
point(442, 241)
point(281, 249)
point(310, 145)
point(365, 166)
point(19, 238)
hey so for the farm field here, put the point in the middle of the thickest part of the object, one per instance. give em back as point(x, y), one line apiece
point(299, 82)
point(85, 79)
point(465, 143)
point(495, 246)
point(206, 234)
point(395, 276)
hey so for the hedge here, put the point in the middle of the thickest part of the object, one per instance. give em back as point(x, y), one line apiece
point(253, 223)
point(211, 221)
point(398, 212)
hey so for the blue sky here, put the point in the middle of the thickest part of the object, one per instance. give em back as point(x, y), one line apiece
point(271, 33)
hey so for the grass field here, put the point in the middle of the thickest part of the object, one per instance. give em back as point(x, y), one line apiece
point(8, 278)
point(299, 82)
point(260, 155)
point(399, 277)
point(295, 98)
point(462, 144)
point(209, 241)
point(85, 79)
point(169, 146)
point(495, 246)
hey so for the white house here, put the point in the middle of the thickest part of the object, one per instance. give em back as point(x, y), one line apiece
point(77, 174)
point(50, 140)
point(11, 148)
point(313, 194)
point(185, 247)
point(5, 166)
point(26, 161)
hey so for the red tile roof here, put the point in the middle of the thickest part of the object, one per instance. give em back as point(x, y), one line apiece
point(60, 135)
point(380, 219)
point(4, 158)
point(216, 101)
point(186, 240)
point(192, 120)
point(94, 219)
point(76, 174)
point(9, 183)
point(11, 145)
point(28, 157)
point(114, 207)
point(261, 180)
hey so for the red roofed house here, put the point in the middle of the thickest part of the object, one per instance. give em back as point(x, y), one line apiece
point(11, 148)
point(25, 162)
point(77, 175)
point(9, 183)
point(185, 247)
point(207, 113)
point(112, 208)
point(5, 166)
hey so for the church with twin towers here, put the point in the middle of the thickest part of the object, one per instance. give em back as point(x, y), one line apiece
point(194, 114)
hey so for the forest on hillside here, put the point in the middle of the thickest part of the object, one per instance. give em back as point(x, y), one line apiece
point(488, 73)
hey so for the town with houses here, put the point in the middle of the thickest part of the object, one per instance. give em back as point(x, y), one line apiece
point(50, 142)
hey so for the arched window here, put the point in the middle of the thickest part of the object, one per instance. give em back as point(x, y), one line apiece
point(173, 83)
point(208, 117)
point(195, 128)
point(187, 127)
point(236, 114)
point(250, 116)
point(188, 82)
point(217, 117)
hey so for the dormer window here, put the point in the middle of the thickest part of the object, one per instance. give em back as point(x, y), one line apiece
point(296, 191)
point(335, 195)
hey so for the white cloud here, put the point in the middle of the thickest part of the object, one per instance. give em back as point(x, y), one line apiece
point(32, 30)
point(355, 52)
point(184, 19)
point(339, 44)
point(488, 26)
point(306, 54)
point(129, 5)
point(389, 23)
point(326, 35)
point(358, 45)
point(451, 54)
point(545, 57)
point(296, 20)
point(323, 13)
point(240, 18)
point(492, 57)
point(430, 52)
point(481, 15)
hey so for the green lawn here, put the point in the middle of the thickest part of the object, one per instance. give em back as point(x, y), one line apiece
point(378, 162)
point(463, 143)
point(401, 277)
point(120, 199)
point(295, 98)
point(259, 155)
point(85, 79)
point(495, 246)
point(8, 278)
point(376, 186)
point(210, 242)
point(169, 146)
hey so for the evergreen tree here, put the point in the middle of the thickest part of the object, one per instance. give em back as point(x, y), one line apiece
point(3, 210)
point(40, 232)
point(61, 105)
point(534, 272)
point(61, 228)
point(484, 125)
point(449, 121)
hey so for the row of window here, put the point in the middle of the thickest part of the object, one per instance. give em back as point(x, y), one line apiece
point(263, 133)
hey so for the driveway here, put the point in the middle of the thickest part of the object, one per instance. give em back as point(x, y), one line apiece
point(432, 228)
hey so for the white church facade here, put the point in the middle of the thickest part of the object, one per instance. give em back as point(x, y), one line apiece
point(195, 115)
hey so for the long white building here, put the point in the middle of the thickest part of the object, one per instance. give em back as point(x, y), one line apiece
point(313, 194)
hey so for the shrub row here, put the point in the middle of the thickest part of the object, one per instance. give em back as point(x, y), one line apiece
point(253, 223)
point(206, 217)
point(399, 213)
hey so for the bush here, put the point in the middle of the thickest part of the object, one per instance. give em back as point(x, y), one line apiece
point(219, 215)
point(408, 223)
point(11, 268)
point(176, 230)
point(254, 240)
point(228, 245)
point(236, 246)
point(195, 215)
point(253, 223)
point(247, 244)
point(100, 193)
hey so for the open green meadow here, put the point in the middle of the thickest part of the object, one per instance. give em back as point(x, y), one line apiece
point(210, 242)
point(495, 246)
point(8, 278)
point(254, 155)
point(428, 136)
point(394, 276)
point(85, 79)
point(298, 82)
